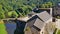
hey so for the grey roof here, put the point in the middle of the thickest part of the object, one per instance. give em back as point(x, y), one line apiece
point(35, 22)
point(38, 23)
point(44, 16)
point(31, 21)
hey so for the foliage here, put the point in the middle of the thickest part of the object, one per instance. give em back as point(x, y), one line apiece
point(12, 14)
point(9, 14)
point(25, 5)
point(1, 13)
point(47, 5)
point(58, 31)
point(24, 10)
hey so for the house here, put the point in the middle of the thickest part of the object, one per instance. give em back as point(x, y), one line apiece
point(49, 28)
point(38, 10)
point(49, 10)
point(45, 16)
point(56, 10)
point(37, 22)
point(31, 24)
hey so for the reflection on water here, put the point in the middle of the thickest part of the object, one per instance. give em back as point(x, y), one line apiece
point(15, 28)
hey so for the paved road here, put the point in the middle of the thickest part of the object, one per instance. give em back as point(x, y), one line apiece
point(58, 23)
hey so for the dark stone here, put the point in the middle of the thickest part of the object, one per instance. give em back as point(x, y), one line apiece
point(20, 25)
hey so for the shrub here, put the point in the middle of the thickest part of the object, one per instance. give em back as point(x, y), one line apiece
point(12, 14)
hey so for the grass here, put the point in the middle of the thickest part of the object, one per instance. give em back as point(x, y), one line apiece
point(58, 31)
point(2, 28)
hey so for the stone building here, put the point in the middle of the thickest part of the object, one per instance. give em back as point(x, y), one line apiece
point(37, 22)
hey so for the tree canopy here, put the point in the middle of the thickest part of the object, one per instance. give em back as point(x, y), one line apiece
point(23, 7)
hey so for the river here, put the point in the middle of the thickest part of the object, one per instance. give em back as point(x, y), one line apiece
point(15, 27)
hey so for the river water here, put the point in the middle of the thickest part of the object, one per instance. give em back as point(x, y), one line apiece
point(15, 27)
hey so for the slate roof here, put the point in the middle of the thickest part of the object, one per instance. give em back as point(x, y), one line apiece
point(44, 16)
point(38, 23)
point(39, 19)
point(33, 21)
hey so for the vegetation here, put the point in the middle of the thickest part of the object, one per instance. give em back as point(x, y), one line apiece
point(47, 5)
point(21, 8)
point(58, 31)
point(2, 28)
point(58, 17)
point(12, 14)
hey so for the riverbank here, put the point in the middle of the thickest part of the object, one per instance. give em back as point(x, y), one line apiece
point(2, 28)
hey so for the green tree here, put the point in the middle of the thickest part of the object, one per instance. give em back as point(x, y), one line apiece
point(1, 13)
point(50, 4)
point(9, 14)
point(14, 14)
point(47, 5)
point(26, 5)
